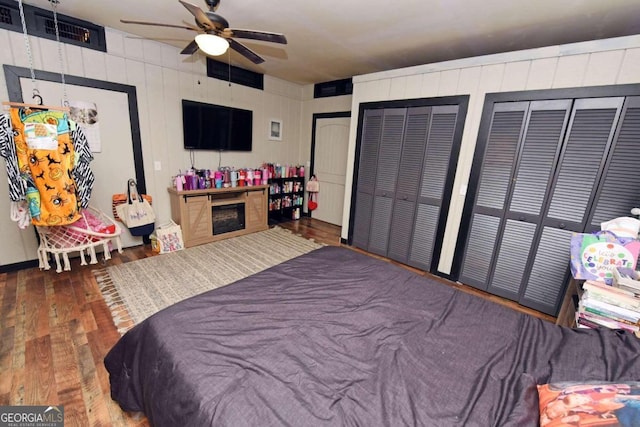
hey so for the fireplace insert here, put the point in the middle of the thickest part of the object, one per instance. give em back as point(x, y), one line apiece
point(227, 218)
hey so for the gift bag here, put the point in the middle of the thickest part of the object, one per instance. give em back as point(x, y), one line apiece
point(312, 204)
point(313, 188)
point(595, 256)
point(137, 214)
point(169, 238)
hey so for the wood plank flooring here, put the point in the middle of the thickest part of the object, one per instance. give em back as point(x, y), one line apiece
point(55, 330)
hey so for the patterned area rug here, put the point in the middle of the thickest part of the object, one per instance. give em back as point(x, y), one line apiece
point(136, 290)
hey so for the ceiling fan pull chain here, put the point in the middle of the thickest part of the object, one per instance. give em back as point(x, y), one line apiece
point(35, 91)
point(65, 100)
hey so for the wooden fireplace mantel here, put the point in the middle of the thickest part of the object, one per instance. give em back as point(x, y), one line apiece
point(195, 210)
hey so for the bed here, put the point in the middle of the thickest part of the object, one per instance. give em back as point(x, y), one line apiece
point(335, 337)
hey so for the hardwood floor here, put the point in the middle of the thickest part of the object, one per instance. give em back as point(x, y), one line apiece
point(55, 330)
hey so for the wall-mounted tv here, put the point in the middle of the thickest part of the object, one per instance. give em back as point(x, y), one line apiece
point(216, 127)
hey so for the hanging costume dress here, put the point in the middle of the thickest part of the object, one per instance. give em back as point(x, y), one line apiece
point(47, 159)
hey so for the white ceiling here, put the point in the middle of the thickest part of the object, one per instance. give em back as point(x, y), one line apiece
point(335, 39)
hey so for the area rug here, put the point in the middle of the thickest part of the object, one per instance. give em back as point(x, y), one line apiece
point(136, 290)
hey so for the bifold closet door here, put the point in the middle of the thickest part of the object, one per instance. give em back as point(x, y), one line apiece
point(367, 167)
point(536, 160)
point(619, 191)
point(380, 150)
point(410, 171)
point(580, 169)
point(497, 169)
point(386, 178)
point(402, 179)
point(438, 160)
point(542, 163)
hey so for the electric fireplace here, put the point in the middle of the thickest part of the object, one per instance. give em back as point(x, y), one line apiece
point(227, 218)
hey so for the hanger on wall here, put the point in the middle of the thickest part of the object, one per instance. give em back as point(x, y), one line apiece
point(38, 106)
point(36, 93)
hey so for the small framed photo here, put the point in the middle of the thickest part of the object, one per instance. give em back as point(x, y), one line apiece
point(275, 130)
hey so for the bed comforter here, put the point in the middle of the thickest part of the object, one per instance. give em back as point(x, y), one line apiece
point(337, 338)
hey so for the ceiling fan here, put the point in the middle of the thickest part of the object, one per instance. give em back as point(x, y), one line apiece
point(215, 36)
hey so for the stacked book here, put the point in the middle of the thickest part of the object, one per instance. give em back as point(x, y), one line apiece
point(615, 306)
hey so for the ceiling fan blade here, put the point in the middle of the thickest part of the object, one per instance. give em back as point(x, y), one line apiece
point(245, 51)
point(201, 18)
point(256, 35)
point(190, 49)
point(193, 27)
point(156, 24)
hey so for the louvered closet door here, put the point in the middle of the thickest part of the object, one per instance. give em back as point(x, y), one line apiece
point(498, 164)
point(585, 148)
point(409, 176)
point(537, 158)
point(437, 161)
point(368, 164)
point(620, 188)
point(547, 181)
point(386, 179)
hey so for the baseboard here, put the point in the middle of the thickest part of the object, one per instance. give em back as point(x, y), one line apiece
point(18, 266)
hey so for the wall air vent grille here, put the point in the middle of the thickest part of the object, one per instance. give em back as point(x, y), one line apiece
point(5, 15)
point(41, 23)
point(220, 70)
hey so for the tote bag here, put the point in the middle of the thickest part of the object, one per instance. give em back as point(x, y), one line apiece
point(595, 256)
point(137, 214)
point(122, 198)
point(169, 238)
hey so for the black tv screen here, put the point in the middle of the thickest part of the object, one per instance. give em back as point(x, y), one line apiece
point(216, 127)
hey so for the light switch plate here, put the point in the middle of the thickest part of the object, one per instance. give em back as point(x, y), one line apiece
point(157, 165)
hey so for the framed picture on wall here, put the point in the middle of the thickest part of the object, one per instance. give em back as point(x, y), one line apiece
point(275, 130)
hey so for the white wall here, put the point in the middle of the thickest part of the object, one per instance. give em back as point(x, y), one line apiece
point(162, 78)
point(594, 63)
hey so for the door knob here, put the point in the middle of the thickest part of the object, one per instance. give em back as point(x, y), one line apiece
point(562, 225)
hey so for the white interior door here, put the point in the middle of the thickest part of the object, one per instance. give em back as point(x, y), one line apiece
point(330, 166)
point(114, 164)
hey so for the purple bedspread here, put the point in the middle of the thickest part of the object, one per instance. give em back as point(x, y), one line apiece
point(337, 338)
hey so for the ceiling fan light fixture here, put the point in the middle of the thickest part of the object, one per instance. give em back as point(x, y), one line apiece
point(211, 44)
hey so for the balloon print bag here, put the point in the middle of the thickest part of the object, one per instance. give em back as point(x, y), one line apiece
point(595, 256)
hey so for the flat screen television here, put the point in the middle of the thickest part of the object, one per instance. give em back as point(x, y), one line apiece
point(216, 127)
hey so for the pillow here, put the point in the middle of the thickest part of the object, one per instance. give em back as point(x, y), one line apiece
point(593, 403)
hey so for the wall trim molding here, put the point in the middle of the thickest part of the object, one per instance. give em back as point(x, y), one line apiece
point(591, 46)
point(13, 75)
